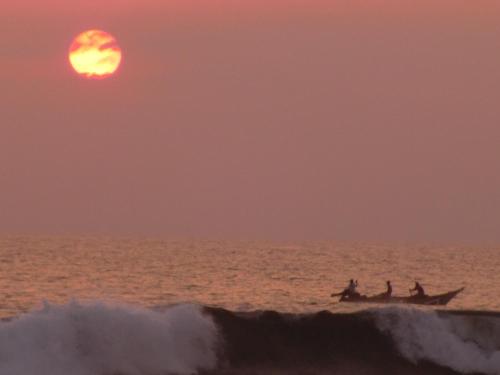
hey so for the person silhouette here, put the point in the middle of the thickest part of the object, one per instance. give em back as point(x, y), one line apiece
point(418, 288)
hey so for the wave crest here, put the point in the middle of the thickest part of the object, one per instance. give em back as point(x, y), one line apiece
point(100, 338)
point(466, 343)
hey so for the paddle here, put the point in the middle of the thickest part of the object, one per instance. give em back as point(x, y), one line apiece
point(336, 294)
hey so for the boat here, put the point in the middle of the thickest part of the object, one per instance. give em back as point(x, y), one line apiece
point(436, 300)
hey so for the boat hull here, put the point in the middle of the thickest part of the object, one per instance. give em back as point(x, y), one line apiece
point(436, 300)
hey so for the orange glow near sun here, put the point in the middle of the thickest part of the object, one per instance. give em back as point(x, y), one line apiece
point(95, 54)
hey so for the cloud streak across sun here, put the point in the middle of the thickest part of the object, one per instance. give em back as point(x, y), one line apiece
point(95, 54)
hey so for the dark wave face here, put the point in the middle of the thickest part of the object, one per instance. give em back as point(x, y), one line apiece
point(384, 341)
point(107, 339)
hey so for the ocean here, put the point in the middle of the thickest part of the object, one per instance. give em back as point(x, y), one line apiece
point(121, 306)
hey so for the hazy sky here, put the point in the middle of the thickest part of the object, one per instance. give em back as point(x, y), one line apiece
point(351, 120)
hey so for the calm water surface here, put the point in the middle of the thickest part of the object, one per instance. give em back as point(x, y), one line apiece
point(293, 277)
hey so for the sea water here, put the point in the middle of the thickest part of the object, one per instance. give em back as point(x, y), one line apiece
point(101, 306)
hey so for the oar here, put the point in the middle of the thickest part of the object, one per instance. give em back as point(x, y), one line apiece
point(336, 294)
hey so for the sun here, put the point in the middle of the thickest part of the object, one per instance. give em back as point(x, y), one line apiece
point(95, 54)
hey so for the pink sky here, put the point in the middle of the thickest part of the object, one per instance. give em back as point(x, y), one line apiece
point(350, 120)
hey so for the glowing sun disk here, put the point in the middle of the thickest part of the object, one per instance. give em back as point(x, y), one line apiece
point(95, 54)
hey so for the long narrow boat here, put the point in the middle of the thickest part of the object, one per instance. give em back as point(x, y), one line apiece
point(436, 300)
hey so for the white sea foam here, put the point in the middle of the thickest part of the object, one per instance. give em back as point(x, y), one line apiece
point(466, 344)
point(99, 338)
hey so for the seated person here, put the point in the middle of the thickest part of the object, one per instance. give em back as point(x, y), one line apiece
point(418, 288)
point(388, 293)
point(350, 291)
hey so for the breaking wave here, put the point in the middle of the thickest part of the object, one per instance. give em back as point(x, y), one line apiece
point(106, 339)
point(98, 339)
point(379, 341)
point(466, 342)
